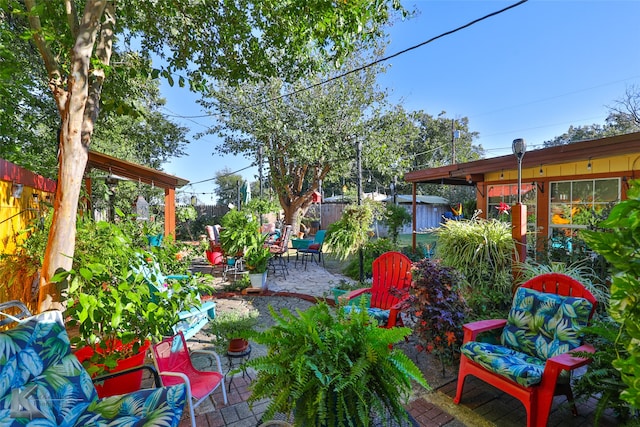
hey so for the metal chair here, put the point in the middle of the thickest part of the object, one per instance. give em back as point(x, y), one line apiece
point(276, 262)
point(313, 249)
point(173, 361)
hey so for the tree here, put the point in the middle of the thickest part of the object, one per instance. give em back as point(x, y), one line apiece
point(434, 145)
point(317, 126)
point(624, 117)
point(227, 187)
point(229, 40)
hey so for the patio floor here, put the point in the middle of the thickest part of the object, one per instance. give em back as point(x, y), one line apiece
point(482, 404)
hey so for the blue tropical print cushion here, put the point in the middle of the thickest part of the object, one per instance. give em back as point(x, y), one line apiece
point(518, 367)
point(380, 315)
point(544, 325)
point(38, 371)
point(539, 326)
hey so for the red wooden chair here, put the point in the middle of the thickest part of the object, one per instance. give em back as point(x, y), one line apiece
point(173, 361)
point(533, 361)
point(390, 270)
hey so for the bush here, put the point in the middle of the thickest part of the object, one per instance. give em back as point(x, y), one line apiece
point(371, 250)
point(482, 251)
point(438, 308)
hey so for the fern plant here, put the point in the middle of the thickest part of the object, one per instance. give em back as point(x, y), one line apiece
point(328, 368)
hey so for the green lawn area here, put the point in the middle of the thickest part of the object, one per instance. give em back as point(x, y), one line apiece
point(424, 238)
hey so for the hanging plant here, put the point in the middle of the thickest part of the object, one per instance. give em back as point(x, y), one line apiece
point(351, 231)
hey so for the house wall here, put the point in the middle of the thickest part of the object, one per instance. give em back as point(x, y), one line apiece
point(620, 166)
point(17, 214)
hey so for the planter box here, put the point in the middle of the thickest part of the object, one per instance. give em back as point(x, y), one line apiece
point(123, 384)
point(337, 293)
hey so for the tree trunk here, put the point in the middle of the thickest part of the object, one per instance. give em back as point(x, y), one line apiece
point(78, 106)
point(62, 236)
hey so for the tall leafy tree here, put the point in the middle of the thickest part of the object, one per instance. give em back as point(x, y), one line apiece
point(229, 39)
point(309, 134)
point(227, 187)
point(441, 141)
point(624, 117)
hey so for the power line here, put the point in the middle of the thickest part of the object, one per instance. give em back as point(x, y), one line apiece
point(224, 175)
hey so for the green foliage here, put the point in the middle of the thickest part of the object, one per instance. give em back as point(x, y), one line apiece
point(352, 230)
point(371, 250)
point(239, 230)
point(232, 324)
point(332, 369)
point(618, 242)
point(107, 300)
point(602, 380)
point(482, 251)
point(241, 234)
point(436, 304)
point(581, 271)
point(395, 217)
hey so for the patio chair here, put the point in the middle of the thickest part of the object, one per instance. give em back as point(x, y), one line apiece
point(44, 382)
point(534, 360)
point(173, 361)
point(315, 248)
point(213, 235)
point(391, 270)
point(281, 247)
point(192, 320)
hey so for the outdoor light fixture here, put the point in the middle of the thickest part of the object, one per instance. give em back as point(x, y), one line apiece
point(502, 174)
point(541, 171)
point(16, 190)
point(519, 147)
point(589, 164)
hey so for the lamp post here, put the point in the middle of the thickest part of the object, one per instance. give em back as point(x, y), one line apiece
point(519, 147)
point(519, 211)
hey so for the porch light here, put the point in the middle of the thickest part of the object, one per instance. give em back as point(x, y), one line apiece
point(519, 147)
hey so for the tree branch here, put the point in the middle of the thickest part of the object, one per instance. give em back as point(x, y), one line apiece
point(72, 17)
point(104, 49)
point(56, 81)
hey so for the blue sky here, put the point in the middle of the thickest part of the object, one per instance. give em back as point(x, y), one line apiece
point(530, 72)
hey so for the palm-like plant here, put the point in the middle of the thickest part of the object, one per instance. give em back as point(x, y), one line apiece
point(332, 369)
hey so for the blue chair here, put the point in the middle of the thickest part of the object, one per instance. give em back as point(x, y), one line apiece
point(315, 248)
point(52, 388)
point(192, 320)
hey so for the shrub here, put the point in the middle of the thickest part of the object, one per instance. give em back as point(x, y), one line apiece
point(437, 307)
point(371, 250)
point(482, 251)
point(395, 217)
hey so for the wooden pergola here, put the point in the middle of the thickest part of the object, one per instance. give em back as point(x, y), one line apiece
point(144, 174)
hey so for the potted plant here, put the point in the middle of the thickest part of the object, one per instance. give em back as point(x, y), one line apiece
point(239, 231)
point(229, 329)
point(256, 259)
point(111, 305)
point(325, 367)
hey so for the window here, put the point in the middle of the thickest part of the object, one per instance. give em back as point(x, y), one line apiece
point(507, 195)
point(579, 204)
point(502, 196)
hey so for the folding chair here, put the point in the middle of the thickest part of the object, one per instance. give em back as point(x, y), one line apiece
point(173, 361)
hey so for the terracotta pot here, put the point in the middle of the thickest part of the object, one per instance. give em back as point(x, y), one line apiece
point(238, 345)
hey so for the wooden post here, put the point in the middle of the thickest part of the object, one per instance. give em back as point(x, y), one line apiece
point(519, 234)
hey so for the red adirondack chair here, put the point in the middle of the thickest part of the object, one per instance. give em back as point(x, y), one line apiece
point(522, 367)
point(390, 270)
